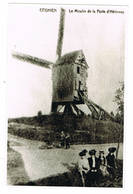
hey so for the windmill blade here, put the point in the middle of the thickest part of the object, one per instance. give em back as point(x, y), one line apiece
point(33, 60)
point(61, 33)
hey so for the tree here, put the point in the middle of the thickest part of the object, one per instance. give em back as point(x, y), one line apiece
point(119, 100)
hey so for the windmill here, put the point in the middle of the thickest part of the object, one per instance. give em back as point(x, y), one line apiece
point(69, 76)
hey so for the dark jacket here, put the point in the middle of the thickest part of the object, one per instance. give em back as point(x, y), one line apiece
point(111, 160)
point(97, 163)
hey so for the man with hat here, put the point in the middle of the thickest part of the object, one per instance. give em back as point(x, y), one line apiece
point(94, 172)
point(67, 140)
point(83, 165)
point(111, 161)
point(62, 139)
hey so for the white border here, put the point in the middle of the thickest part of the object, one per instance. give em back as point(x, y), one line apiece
point(128, 156)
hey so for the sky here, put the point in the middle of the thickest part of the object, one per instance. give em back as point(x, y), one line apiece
point(101, 36)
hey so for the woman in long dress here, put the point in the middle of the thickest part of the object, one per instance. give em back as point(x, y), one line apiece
point(83, 165)
point(103, 164)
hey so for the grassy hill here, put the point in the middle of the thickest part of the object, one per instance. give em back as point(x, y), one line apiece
point(82, 129)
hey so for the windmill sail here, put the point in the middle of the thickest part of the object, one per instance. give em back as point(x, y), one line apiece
point(60, 34)
point(33, 60)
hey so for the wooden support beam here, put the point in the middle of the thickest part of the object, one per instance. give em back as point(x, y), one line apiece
point(59, 108)
point(78, 111)
point(68, 109)
point(95, 106)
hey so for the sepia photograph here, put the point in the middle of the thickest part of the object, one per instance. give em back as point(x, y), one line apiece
point(66, 95)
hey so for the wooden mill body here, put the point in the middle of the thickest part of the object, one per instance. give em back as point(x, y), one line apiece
point(69, 78)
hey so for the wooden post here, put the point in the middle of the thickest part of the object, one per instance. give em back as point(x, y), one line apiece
point(118, 146)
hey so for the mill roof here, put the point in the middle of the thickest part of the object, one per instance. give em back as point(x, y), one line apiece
point(71, 58)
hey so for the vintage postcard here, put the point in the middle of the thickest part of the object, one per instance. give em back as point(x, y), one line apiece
point(66, 95)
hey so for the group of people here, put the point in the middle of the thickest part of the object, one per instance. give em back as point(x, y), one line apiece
point(93, 168)
point(65, 140)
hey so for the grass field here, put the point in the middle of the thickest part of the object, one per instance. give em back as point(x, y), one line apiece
point(15, 168)
point(82, 130)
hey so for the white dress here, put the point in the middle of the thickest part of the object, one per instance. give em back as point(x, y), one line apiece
point(103, 168)
point(83, 165)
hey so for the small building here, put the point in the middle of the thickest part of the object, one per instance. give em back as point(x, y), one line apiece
point(69, 78)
